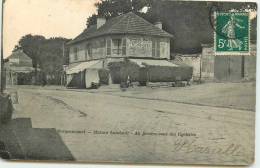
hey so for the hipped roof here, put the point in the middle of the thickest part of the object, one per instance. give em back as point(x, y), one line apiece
point(129, 23)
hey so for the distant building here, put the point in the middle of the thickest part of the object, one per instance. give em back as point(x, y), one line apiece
point(126, 37)
point(18, 67)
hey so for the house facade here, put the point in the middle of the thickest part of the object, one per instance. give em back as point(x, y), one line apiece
point(120, 46)
point(18, 69)
point(124, 36)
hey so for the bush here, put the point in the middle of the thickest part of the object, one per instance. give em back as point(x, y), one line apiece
point(120, 71)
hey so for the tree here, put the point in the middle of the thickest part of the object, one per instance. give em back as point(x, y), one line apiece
point(188, 21)
point(48, 54)
point(112, 8)
point(31, 46)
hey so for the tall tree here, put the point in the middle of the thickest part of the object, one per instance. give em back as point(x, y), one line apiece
point(48, 54)
point(31, 45)
point(112, 8)
point(188, 21)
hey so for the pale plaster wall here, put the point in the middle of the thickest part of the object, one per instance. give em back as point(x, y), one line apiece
point(136, 46)
point(191, 60)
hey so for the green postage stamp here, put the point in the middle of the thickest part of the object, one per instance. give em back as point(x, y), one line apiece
point(232, 33)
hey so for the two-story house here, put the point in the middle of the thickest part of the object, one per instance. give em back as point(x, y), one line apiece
point(125, 36)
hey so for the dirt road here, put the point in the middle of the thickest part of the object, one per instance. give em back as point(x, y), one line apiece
point(104, 126)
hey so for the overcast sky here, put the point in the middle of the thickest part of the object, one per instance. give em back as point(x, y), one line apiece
point(50, 18)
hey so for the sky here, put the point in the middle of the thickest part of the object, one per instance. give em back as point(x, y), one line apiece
point(50, 18)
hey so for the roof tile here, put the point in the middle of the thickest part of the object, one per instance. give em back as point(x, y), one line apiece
point(129, 23)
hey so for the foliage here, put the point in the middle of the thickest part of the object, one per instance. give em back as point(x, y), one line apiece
point(112, 8)
point(31, 46)
point(188, 21)
point(46, 54)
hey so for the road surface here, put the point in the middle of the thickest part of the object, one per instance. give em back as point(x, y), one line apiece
point(103, 126)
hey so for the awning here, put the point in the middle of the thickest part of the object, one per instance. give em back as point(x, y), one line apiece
point(82, 66)
point(147, 62)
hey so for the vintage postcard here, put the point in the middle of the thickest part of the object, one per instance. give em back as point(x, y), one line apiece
point(128, 81)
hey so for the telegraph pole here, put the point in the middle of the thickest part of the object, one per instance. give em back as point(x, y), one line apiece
point(2, 59)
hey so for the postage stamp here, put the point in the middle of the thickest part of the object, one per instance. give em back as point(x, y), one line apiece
point(232, 33)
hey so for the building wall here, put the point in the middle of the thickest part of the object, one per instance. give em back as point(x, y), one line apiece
point(19, 58)
point(228, 67)
point(192, 60)
point(207, 63)
point(120, 46)
point(88, 50)
point(250, 64)
point(145, 46)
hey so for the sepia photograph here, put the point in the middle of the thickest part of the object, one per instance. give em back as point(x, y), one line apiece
point(128, 82)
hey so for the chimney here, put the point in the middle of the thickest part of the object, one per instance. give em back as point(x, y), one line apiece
point(158, 24)
point(100, 22)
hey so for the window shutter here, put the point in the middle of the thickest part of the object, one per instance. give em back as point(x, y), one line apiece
point(108, 46)
point(158, 49)
point(124, 47)
point(153, 48)
point(75, 53)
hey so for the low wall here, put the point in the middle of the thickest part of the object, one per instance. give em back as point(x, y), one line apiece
point(193, 60)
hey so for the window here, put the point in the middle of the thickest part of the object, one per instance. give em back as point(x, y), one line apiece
point(90, 51)
point(75, 53)
point(153, 48)
point(117, 46)
point(86, 52)
point(102, 43)
point(124, 47)
point(109, 47)
point(158, 49)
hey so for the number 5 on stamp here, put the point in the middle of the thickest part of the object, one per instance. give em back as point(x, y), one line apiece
point(232, 33)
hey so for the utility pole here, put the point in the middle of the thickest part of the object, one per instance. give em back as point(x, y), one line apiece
point(2, 60)
point(63, 56)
